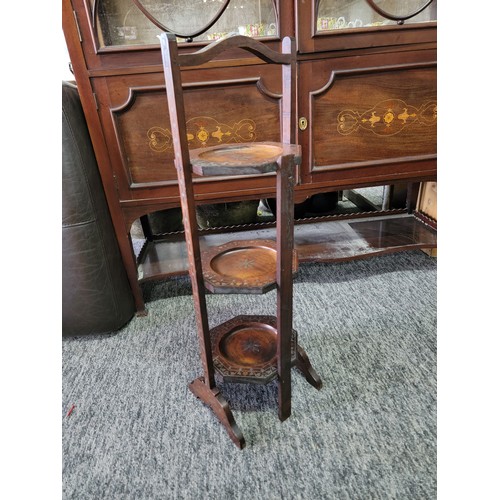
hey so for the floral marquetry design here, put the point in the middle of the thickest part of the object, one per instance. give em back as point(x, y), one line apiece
point(388, 117)
point(203, 131)
point(160, 139)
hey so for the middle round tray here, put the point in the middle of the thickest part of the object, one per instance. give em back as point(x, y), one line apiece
point(245, 266)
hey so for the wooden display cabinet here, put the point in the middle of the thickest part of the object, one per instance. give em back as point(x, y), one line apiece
point(366, 113)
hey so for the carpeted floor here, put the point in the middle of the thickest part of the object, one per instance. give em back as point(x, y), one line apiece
point(369, 328)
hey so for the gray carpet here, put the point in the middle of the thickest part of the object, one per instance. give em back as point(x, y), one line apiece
point(369, 328)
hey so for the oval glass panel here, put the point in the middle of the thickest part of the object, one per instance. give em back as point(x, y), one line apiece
point(350, 14)
point(120, 22)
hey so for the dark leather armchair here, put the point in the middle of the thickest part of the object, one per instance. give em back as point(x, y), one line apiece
point(96, 295)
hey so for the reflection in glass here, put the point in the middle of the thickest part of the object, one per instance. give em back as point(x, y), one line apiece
point(342, 14)
point(120, 22)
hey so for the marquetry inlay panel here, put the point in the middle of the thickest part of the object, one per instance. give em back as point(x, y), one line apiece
point(374, 117)
point(216, 115)
point(203, 131)
point(388, 117)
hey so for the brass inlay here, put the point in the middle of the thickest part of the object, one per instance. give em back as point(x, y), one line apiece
point(204, 131)
point(160, 139)
point(388, 117)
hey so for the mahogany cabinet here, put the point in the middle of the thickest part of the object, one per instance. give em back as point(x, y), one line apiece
point(366, 111)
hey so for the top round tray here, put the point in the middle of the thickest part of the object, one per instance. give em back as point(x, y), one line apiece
point(241, 159)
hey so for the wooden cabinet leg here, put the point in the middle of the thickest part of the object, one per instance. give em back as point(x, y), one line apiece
point(129, 261)
point(146, 228)
point(411, 198)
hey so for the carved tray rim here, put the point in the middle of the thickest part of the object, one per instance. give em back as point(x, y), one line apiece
point(229, 369)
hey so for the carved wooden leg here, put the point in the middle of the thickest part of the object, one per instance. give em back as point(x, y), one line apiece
point(304, 365)
point(220, 407)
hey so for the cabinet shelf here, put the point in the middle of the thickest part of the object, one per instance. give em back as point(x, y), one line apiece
point(322, 239)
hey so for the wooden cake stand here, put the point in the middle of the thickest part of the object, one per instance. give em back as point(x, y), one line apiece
point(255, 349)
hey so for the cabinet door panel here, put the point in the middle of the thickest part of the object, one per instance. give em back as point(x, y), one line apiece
point(372, 117)
point(220, 109)
point(375, 117)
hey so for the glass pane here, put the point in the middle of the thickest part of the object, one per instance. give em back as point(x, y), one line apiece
point(120, 22)
point(341, 14)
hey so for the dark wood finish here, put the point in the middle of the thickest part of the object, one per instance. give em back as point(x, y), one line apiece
point(322, 239)
point(366, 105)
point(354, 110)
point(236, 99)
point(305, 367)
point(241, 159)
point(245, 265)
point(139, 133)
point(412, 196)
point(246, 349)
point(284, 273)
point(213, 398)
point(184, 175)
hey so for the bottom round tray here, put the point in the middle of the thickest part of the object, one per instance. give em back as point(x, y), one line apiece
point(245, 348)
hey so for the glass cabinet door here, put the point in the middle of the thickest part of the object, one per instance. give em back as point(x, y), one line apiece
point(349, 14)
point(121, 22)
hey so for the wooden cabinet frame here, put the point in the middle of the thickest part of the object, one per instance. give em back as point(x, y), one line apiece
point(394, 64)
